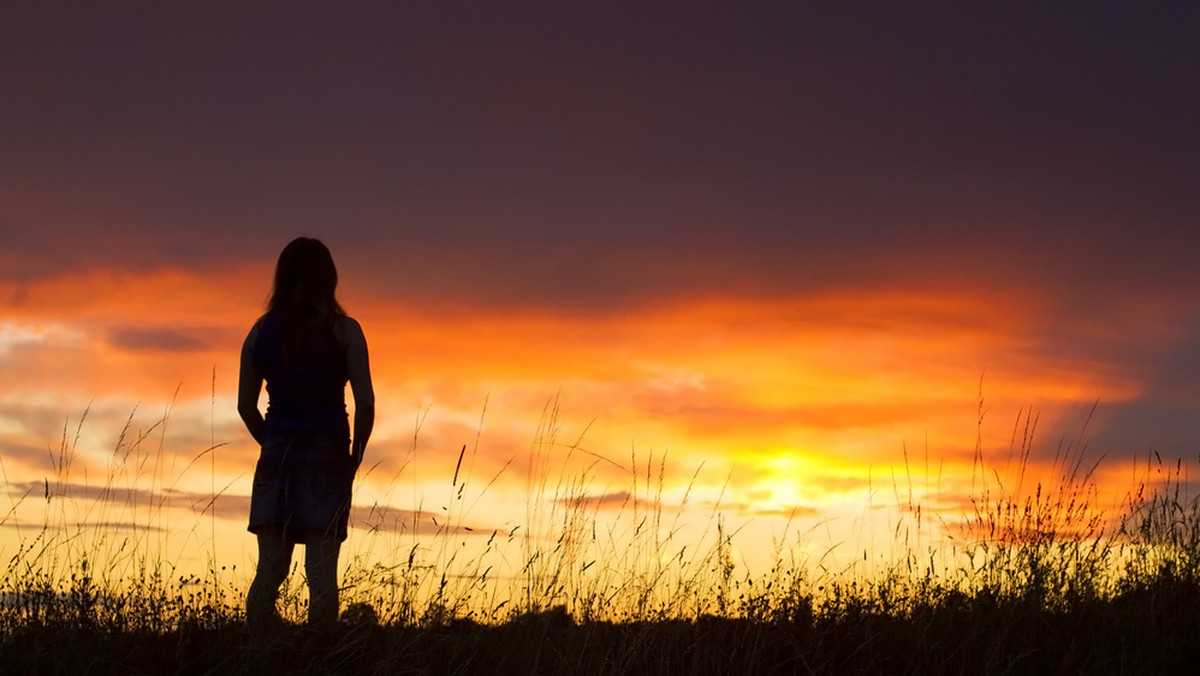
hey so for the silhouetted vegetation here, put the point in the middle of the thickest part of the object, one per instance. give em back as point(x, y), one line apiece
point(1036, 579)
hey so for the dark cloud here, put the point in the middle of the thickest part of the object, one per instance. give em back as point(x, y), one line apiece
point(138, 339)
point(27, 454)
point(384, 519)
point(595, 154)
point(100, 526)
point(616, 500)
point(375, 518)
point(110, 496)
point(1161, 419)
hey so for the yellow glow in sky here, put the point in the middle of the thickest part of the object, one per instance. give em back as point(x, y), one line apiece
point(761, 410)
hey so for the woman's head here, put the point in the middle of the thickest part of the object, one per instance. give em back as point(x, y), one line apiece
point(305, 278)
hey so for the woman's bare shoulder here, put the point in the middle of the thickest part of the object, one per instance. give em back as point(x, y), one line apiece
point(252, 335)
point(349, 330)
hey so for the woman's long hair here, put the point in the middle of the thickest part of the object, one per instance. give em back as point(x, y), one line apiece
point(305, 292)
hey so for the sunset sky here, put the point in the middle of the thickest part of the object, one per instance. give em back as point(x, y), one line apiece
point(777, 243)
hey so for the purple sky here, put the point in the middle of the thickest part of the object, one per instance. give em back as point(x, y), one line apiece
point(591, 157)
point(599, 153)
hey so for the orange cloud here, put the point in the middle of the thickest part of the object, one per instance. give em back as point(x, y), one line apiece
point(783, 406)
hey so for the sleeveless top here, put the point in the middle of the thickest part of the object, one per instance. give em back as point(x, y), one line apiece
point(306, 392)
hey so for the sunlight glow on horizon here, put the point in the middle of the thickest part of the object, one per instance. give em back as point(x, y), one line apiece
point(798, 406)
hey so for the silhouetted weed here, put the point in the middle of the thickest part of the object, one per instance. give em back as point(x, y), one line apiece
point(1036, 580)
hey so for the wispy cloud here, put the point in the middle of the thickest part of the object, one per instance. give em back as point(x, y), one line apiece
point(139, 339)
point(105, 501)
point(618, 500)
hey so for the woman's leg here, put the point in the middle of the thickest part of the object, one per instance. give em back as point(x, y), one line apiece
point(320, 564)
point(274, 559)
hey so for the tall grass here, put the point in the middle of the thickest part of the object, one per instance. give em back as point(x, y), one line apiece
point(98, 557)
point(1035, 576)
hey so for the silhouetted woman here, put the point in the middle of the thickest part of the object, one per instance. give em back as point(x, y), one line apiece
point(306, 349)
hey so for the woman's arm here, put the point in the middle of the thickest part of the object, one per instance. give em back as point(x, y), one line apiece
point(249, 386)
point(359, 368)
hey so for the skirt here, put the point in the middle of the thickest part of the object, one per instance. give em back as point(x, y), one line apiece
point(302, 482)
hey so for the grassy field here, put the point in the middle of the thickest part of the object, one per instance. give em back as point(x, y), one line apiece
point(1037, 581)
